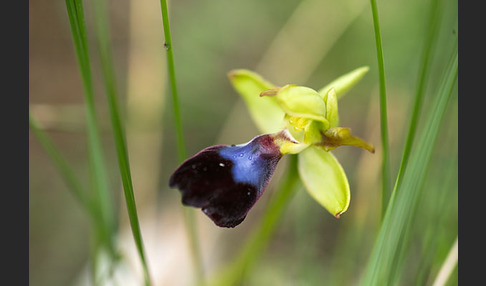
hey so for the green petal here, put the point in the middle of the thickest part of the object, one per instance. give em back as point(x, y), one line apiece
point(265, 111)
point(345, 82)
point(324, 179)
point(313, 132)
point(332, 107)
point(305, 130)
point(300, 101)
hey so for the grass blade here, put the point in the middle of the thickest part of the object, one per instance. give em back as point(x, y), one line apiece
point(404, 196)
point(430, 42)
point(181, 149)
point(101, 198)
point(189, 215)
point(383, 112)
point(102, 33)
point(430, 38)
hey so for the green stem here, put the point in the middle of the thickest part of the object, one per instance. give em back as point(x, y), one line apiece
point(102, 33)
point(181, 150)
point(383, 113)
point(256, 243)
point(189, 216)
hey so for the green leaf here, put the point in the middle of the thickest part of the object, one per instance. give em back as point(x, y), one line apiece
point(324, 179)
point(345, 82)
point(265, 111)
point(102, 201)
point(104, 45)
point(385, 254)
point(300, 101)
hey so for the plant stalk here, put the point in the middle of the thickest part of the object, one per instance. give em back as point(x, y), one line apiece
point(255, 244)
point(189, 215)
point(385, 170)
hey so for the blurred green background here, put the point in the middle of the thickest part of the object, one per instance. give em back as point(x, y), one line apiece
point(302, 42)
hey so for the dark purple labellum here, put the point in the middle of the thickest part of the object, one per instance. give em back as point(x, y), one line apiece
point(226, 181)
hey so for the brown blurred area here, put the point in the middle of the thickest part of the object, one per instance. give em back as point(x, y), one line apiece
point(59, 232)
point(56, 222)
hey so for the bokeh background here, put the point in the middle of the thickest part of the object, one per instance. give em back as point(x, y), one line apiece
point(306, 42)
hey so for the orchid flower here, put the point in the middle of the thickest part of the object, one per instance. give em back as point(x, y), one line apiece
point(225, 181)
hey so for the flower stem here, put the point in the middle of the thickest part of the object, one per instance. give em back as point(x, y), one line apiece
point(383, 113)
point(255, 244)
point(189, 216)
point(181, 150)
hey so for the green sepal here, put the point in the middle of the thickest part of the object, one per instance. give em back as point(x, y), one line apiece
point(324, 179)
point(345, 82)
point(265, 111)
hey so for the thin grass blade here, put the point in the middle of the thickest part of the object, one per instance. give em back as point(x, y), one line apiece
point(101, 197)
point(430, 42)
point(181, 149)
point(404, 197)
point(189, 214)
point(104, 46)
point(385, 189)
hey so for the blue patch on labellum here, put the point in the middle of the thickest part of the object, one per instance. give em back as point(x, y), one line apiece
point(251, 161)
point(226, 181)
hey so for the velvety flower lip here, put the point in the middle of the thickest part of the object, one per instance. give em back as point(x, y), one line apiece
point(225, 181)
